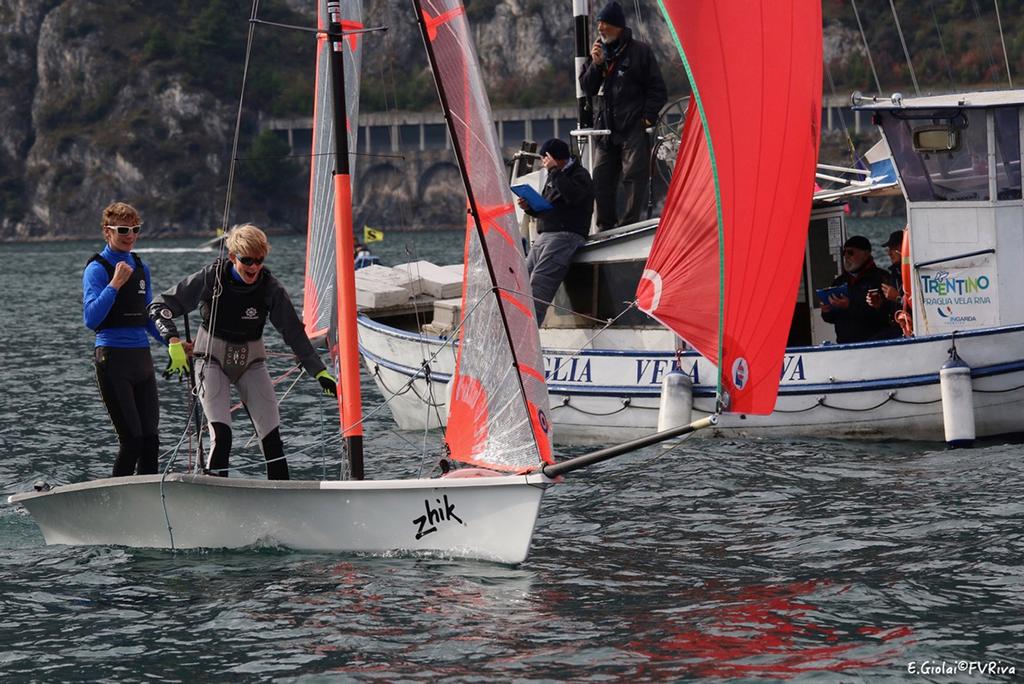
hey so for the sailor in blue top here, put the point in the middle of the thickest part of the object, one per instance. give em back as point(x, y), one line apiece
point(116, 289)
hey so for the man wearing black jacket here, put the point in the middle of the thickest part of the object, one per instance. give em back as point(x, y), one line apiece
point(854, 318)
point(561, 229)
point(625, 80)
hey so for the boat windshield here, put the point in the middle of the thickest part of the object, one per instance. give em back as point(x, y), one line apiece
point(1008, 153)
point(944, 155)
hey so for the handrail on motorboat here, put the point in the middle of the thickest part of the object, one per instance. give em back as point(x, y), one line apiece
point(965, 255)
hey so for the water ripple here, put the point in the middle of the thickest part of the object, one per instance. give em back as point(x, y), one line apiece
point(719, 559)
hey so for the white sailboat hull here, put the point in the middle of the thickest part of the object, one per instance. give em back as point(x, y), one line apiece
point(883, 390)
point(487, 518)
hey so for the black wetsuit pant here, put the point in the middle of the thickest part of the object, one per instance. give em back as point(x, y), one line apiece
point(127, 384)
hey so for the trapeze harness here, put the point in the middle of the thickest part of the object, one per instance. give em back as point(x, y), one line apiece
point(237, 342)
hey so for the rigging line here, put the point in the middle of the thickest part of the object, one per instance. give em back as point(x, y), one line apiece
point(328, 34)
point(323, 448)
point(218, 286)
point(185, 433)
point(942, 46)
point(642, 31)
point(163, 477)
point(604, 321)
point(842, 117)
point(1002, 40)
point(448, 343)
point(867, 48)
point(988, 52)
point(667, 449)
point(903, 42)
point(626, 403)
point(279, 402)
point(998, 391)
point(413, 254)
point(400, 157)
point(404, 209)
point(238, 114)
point(607, 322)
point(275, 382)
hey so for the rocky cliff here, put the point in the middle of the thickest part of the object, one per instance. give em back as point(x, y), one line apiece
point(138, 101)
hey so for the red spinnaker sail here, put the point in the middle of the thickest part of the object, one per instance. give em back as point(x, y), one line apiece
point(498, 412)
point(725, 265)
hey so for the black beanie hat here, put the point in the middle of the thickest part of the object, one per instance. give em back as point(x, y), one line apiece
point(895, 240)
point(556, 148)
point(612, 14)
point(858, 242)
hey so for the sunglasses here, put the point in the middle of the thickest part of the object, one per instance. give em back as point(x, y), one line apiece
point(249, 261)
point(124, 230)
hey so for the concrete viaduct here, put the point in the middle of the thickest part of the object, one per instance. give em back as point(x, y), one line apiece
point(405, 173)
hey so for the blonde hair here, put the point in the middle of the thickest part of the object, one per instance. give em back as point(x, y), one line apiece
point(119, 214)
point(247, 240)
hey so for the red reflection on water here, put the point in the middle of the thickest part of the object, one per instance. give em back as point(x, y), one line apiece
point(765, 630)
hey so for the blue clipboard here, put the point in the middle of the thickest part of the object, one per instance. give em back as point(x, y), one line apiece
point(838, 291)
point(533, 198)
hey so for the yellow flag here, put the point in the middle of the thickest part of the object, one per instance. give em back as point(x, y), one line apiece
point(372, 234)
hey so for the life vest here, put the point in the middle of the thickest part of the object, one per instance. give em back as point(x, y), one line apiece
point(129, 309)
point(905, 268)
point(242, 309)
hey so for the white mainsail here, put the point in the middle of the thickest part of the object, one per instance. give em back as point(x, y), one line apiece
point(498, 417)
point(319, 293)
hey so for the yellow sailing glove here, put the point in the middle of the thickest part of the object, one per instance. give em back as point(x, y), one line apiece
point(178, 364)
point(328, 382)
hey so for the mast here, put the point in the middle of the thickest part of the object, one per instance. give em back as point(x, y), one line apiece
point(581, 31)
point(349, 398)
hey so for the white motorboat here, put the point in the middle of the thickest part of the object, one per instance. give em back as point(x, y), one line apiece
point(958, 162)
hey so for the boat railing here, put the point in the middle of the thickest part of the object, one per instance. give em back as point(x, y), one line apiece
point(956, 257)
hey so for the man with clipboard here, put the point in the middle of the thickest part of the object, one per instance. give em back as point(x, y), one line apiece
point(563, 220)
point(848, 305)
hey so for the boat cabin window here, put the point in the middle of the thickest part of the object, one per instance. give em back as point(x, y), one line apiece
point(1007, 153)
point(941, 156)
point(933, 139)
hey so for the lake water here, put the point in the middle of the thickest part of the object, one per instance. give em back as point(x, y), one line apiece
point(720, 559)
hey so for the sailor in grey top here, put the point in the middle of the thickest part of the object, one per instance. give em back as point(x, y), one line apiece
point(235, 299)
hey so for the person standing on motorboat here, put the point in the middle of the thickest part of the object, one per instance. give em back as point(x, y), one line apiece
point(563, 228)
point(854, 318)
point(116, 289)
point(235, 297)
point(623, 76)
point(890, 297)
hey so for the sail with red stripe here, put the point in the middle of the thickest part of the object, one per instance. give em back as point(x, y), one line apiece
point(319, 287)
point(499, 403)
point(726, 260)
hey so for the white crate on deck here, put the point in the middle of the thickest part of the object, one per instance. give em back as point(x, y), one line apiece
point(380, 286)
point(447, 313)
point(456, 269)
point(437, 281)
